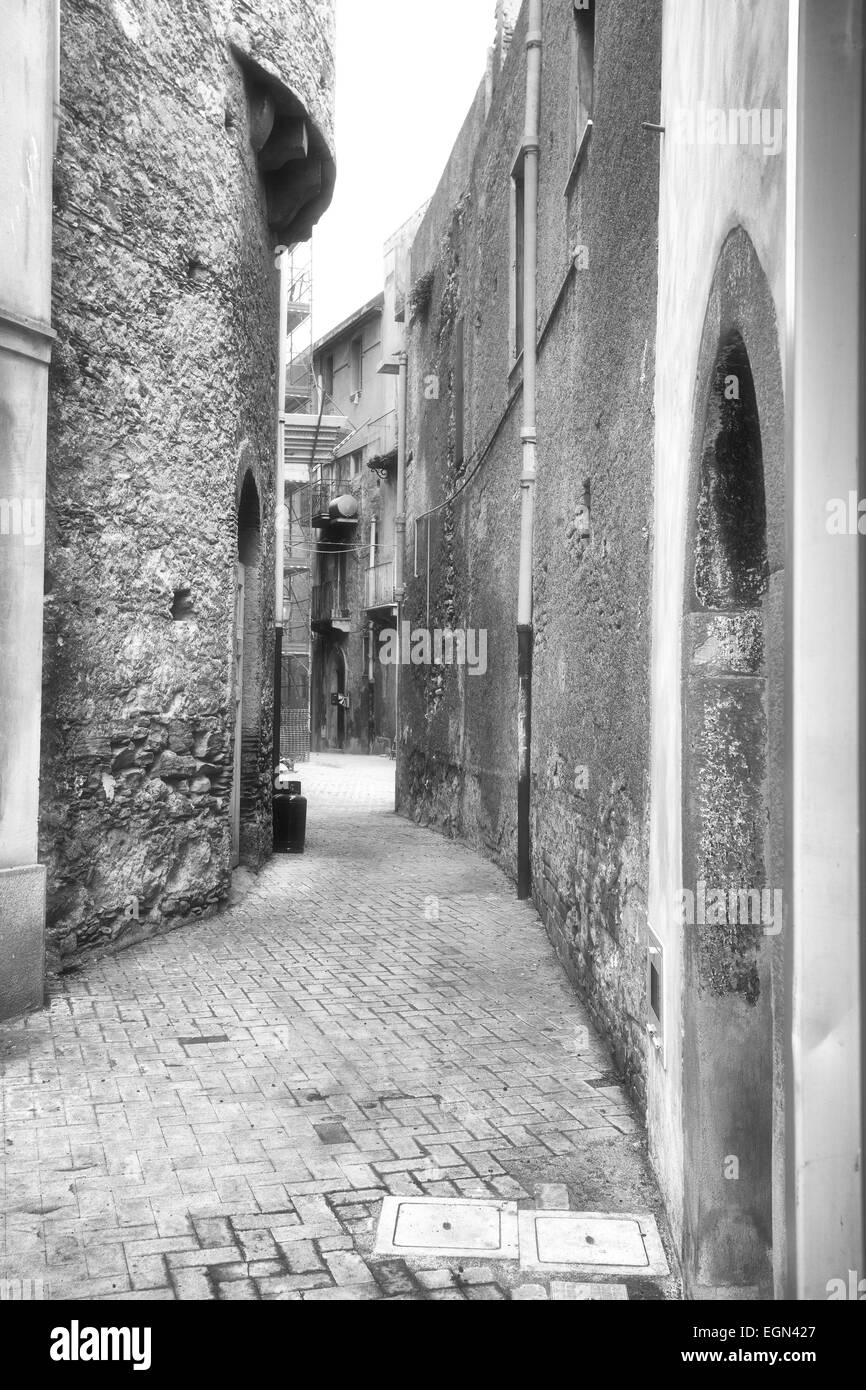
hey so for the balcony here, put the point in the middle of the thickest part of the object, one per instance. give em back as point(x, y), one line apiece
point(309, 442)
point(379, 582)
point(330, 609)
point(334, 505)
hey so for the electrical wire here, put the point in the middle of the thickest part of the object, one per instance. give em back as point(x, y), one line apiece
point(480, 454)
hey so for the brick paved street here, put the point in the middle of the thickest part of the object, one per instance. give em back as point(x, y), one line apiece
point(219, 1112)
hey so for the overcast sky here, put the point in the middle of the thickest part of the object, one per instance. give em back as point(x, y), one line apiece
point(407, 71)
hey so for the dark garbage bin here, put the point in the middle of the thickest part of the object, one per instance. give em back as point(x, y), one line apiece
point(290, 821)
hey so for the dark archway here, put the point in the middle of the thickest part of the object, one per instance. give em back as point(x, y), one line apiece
point(248, 678)
point(336, 686)
point(732, 778)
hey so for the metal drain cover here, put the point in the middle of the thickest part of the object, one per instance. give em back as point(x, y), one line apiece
point(447, 1226)
point(591, 1241)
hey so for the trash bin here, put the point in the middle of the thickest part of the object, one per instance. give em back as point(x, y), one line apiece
point(297, 826)
point(289, 811)
point(290, 820)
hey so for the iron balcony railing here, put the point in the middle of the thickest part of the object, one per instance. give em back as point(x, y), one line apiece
point(330, 603)
point(380, 586)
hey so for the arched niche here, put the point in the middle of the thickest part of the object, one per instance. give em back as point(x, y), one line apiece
point(248, 682)
point(733, 792)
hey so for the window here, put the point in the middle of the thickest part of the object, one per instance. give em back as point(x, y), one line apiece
point(517, 259)
point(458, 393)
point(584, 24)
point(355, 462)
point(328, 375)
point(582, 83)
point(356, 365)
point(655, 990)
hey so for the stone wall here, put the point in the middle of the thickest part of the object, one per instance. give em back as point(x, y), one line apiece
point(163, 401)
point(596, 327)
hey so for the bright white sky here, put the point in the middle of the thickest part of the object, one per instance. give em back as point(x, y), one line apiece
point(407, 72)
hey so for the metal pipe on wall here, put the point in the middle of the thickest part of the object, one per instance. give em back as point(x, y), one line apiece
point(282, 257)
point(371, 632)
point(400, 530)
point(525, 636)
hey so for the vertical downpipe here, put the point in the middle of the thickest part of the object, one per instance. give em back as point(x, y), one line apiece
point(279, 514)
point(371, 645)
point(55, 20)
point(525, 637)
point(400, 544)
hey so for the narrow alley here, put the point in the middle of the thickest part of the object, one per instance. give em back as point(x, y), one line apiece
point(458, 412)
point(221, 1111)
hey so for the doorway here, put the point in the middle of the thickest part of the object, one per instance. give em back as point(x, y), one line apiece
point(249, 757)
point(336, 711)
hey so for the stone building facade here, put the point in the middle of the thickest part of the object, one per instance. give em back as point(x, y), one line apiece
point(596, 287)
point(700, 398)
point(192, 141)
point(354, 690)
point(351, 705)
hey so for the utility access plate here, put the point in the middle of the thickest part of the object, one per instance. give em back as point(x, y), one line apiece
point(442, 1227)
point(595, 1242)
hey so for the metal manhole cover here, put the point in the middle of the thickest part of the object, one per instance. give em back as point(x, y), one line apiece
point(447, 1226)
point(620, 1243)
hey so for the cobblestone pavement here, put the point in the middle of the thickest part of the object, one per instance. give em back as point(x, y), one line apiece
point(220, 1111)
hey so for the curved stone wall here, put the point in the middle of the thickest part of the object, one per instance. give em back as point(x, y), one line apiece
point(163, 380)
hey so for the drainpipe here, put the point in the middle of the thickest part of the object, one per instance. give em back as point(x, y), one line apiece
point(371, 643)
point(531, 155)
point(58, 113)
point(400, 527)
point(280, 546)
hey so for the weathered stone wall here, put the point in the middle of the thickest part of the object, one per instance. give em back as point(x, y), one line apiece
point(596, 325)
point(592, 606)
point(163, 398)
